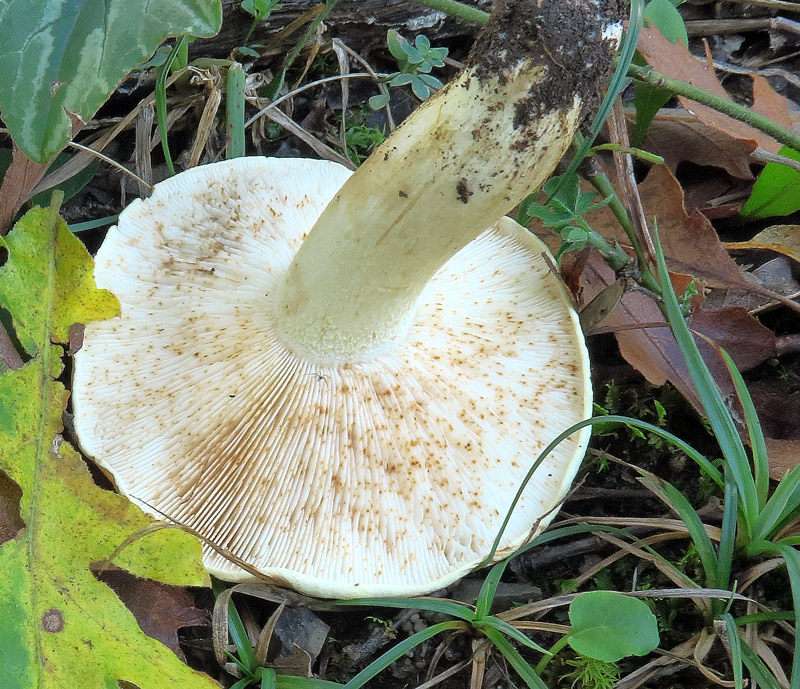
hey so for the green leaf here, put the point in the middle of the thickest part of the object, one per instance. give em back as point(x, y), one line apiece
point(394, 42)
point(420, 88)
point(401, 79)
point(379, 101)
point(60, 626)
point(609, 626)
point(431, 82)
point(776, 191)
point(66, 57)
point(648, 99)
point(665, 17)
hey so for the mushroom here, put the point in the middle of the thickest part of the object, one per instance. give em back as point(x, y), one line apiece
point(342, 380)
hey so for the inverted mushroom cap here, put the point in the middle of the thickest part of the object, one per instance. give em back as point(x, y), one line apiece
point(383, 474)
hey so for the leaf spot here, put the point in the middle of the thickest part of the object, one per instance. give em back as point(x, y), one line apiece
point(52, 621)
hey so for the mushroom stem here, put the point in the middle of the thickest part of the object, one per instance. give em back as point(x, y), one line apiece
point(460, 162)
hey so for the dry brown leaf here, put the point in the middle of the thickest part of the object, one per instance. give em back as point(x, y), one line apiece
point(21, 176)
point(159, 609)
point(10, 519)
point(675, 60)
point(784, 239)
point(783, 456)
point(699, 143)
point(654, 352)
point(690, 242)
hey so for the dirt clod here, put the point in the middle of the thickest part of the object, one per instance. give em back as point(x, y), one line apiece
point(564, 36)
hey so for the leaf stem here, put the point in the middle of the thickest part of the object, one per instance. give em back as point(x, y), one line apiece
point(723, 105)
point(602, 183)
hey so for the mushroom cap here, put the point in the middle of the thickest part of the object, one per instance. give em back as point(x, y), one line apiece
point(388, 475)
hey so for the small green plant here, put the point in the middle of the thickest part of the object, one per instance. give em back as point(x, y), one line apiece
point(361, 139)
point(260, 11)
point(563, 212)
point(590, 673)
point(416, 61)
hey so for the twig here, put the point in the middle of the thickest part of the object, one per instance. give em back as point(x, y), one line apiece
point(274, 104)
point(765, 156)
point(723, 105)
point(776, 5)
point(112, 162)
point(710, 27)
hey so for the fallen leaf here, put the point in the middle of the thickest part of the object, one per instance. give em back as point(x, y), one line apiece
point(59, 626)
point(784, 455)
point(690, 242)
point(21, 176)
point(699, 144)
point(784, 239)
point(675, 60)
point(161, 610)
point(654, 352)
point(10, 520)
point(778, 406)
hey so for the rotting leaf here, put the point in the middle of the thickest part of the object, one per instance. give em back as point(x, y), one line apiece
point(20, 177)
point(784, 239)
point(59, 626)
point(161, 610)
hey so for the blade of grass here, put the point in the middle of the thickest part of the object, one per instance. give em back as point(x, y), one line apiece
point(92, 224)
point(234, 112)
point(291, 682)
point(489, 587)
point(792, 558)
point(269, 678)
point(247, 658)
point(444, 606)
point(161, 98)
point(727, 541)
point(509, 630)
point(693, 454)
point(764, 617)
point(718, 415)
point(758, 671)
point(522, 667)
point(694, 525)
point(784, 501)
point(399, 651)
point(735, 645)
point(758, 445)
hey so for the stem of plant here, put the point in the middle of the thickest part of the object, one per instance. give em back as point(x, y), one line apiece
point(724, 105)
point(602, 183)
point(554, 649)
point(457, 9)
